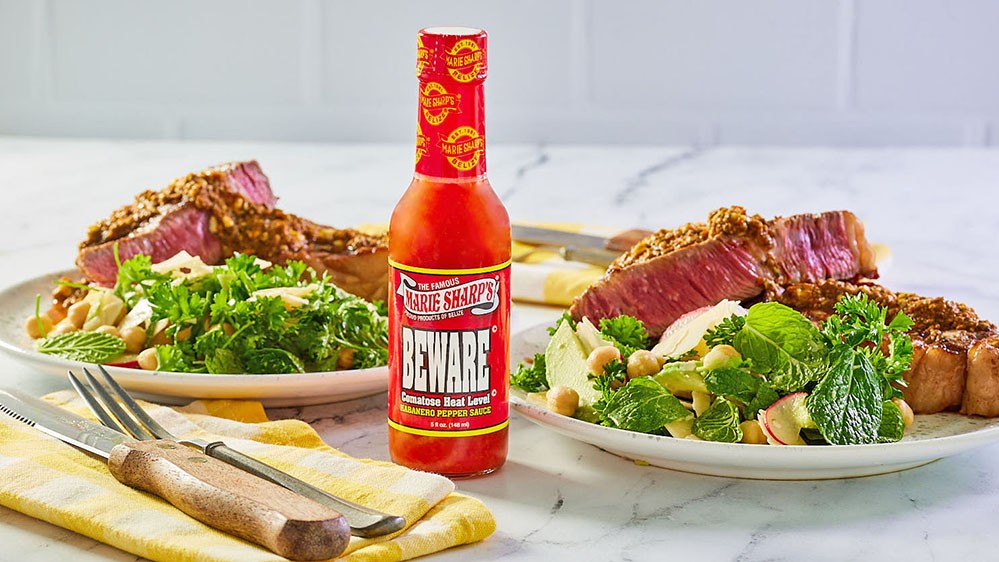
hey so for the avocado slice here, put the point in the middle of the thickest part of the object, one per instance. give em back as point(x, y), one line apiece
point(682, 376)
point(565, 365)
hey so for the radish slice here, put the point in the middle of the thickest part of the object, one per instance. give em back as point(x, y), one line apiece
point(125, 364)
point(785, 418)
point(687, 332)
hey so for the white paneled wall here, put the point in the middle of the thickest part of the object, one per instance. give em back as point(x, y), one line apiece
point(701, 72)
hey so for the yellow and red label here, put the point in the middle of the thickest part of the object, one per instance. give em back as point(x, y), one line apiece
point(448, 361)
point(437, 103)
point(464, 60)
point(451, 128)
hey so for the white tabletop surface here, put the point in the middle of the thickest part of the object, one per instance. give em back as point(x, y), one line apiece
point(557, 499)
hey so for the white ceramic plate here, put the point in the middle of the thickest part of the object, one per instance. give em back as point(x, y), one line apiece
point(930, 438)
point(18, 302)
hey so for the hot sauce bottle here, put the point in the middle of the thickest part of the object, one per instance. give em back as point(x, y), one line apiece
point(449, 258)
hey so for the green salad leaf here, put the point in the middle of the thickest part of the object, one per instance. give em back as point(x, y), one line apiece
point(783, 345)
point(861, 324)
point(892, 423)
point(627, 332)
point(566, 317)
point(725, 331)
point(642, 405)
point(720, 422)
point(86, 347)
point(531, 378)
point(737, 383)
point(847, 404)
point(221, 322)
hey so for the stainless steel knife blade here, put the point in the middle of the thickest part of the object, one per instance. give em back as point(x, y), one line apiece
point(59, 423)
point(240, 503)
point(551, 237)
point(619, 243)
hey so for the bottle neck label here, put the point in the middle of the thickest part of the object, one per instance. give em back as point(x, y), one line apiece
point(451, 131)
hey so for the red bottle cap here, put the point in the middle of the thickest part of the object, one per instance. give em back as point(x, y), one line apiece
point(455, 52)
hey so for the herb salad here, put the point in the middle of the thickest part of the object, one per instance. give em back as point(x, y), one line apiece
point(246, 316)
point(762, 375)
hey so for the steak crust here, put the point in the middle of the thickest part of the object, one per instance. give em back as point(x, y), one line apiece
point(226, 209)
point(955, 362)
point(733, 255)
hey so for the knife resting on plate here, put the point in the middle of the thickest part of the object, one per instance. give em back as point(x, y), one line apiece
point(207, 489)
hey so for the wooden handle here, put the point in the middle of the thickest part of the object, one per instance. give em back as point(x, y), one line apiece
point(623, 241)
point(231, 500)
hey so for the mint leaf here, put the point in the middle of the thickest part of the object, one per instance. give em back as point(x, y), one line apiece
point(531, 378)
point(740, 385)
point(859, 322)
point(892, 424)
point(847, 404)
point(720, 422)
point(732, 383)
point(642, 405)
point(782, 344)
point(86, 347)
point(765, 396)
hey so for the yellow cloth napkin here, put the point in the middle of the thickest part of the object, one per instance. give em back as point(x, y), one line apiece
point(543, 277)
point(47, 479)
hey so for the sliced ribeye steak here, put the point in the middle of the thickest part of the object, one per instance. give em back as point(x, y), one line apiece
point(955, 362)
point(732, 256)
point(225, 209)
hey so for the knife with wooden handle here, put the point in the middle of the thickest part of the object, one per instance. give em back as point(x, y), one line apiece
point(207, 489)
point(619, 243)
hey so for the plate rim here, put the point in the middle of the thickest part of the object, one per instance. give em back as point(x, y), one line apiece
point(799, 459)
point(205, 382)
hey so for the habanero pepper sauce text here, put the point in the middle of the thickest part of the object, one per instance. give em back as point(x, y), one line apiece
point(449, 256)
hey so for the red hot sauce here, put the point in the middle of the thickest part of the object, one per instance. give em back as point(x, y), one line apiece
point(449, 257)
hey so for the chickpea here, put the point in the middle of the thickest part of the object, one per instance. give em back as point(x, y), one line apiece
point(345, 359)
point(63, 327)
point(56, 313)
point(562, 400)
point(77, 314)
point(31, 325)
point(184, 334)
point(159, 334)
point(752, 433)
point(135, 338)
point(721, 356)
point(642, 363)
point(907, 415)
point(147, 359)
point(600, 357)
point(109, 330)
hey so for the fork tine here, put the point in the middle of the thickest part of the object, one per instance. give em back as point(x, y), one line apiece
point(134, 428)
point(139, 413)
point(94, 405)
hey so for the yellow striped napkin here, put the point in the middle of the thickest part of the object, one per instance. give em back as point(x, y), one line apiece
point(55, 482)
point(543, 277)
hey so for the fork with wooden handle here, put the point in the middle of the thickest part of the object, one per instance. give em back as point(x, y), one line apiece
point(110, 407)
point(207, 489)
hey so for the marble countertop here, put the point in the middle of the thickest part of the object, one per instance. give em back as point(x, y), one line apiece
point(557, 499)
